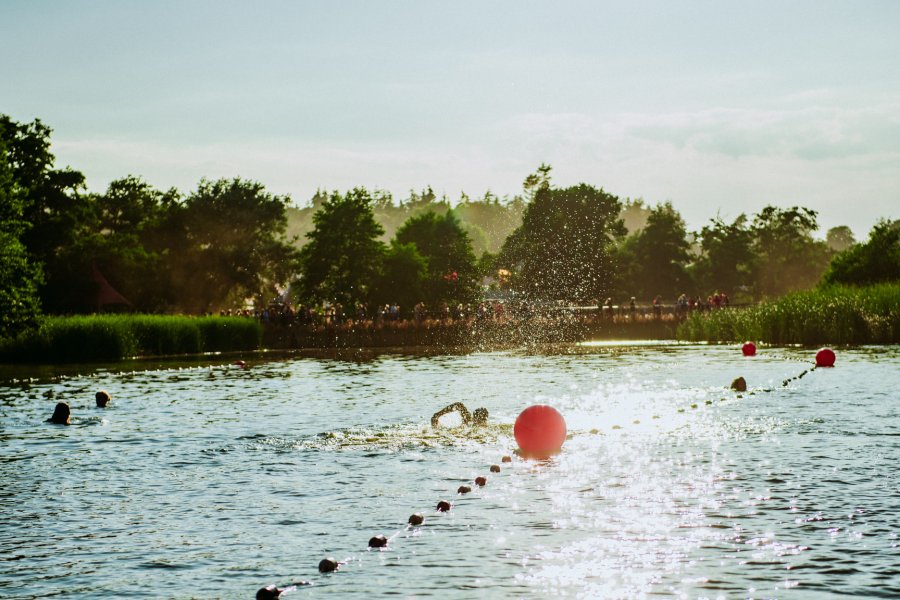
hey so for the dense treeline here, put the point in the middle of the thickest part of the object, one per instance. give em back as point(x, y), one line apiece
point(135, 248)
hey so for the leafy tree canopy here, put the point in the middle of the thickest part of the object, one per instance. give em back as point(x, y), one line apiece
point(402, 278)
point(788, 257)
point(564, 248)
point(343, 257)
point(58, 213)
point(875, 261)
point(452, 271)
point(229, 245)
point(19, 276)
point(658, 253)
point(727, 258)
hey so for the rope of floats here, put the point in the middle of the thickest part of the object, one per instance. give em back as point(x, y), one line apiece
point(824, 358)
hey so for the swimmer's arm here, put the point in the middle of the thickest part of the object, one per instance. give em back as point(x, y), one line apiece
point(463, 411)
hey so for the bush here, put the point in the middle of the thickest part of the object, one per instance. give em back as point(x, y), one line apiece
point(834, 314)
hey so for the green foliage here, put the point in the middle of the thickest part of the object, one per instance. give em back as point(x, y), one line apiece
point(129, 241)
point(343, 256)
point(634, 215)
point(19, 277)
point(487, 220)
point(564, 247)
point(452, 272)
point(839, 238)
point(657, 254)
point(788, 258)
point(228, 245)
point(727, 258)
point(114, 337)
point(877, 260)
point(830, 315)
point(403, 276)
point(57, 212)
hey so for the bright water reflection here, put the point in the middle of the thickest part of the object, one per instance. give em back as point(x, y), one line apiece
point(210, 481)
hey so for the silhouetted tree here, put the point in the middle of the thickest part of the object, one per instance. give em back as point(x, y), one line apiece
point(564, 247)
point(133, 241)
point(452, 272)
point(788, 257)
point(658, 254)
point(343, 257)
point(19, 277)
point(402, 277)
point(727, 259)
point(228, 245)
point(58, 213)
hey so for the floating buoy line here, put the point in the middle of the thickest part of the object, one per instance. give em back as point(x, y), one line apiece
point(540, 431)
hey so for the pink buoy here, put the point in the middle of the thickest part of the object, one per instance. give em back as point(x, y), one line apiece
point(540, 431)
point(825, 357)
point(749, 349)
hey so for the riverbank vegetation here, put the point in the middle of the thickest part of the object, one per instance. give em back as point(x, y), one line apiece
point(828, 315)
point(228, 244)
point(114, 337)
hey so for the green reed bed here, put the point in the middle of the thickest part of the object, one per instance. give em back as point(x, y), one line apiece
point(114, 337)
point(832, 315)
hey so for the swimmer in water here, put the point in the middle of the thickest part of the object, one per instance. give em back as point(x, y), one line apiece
point(479, 417)
point(272, 592)
point(60, 414)
point(739, 385)
point(102, 397)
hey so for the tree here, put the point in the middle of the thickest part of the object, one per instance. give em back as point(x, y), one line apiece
point(488, 220)
point(634, 215)
point(19, 277)
point(403, 276)
point(134, 239)
point(564, 247)
point(228, 244)
point(58, 213)
point(727, 258)
point(839, 238)
point(343, 257)
point(875, 261)
point(658, 254)
point(537, 181)
point(452, 271)
point(788, 257)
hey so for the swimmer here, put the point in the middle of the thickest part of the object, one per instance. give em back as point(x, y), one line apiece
point(102, 397)
point(739, 385)
point(60, 414)
point(272, 591)
point(479, 417)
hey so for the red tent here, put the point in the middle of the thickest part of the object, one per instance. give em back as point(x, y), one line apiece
point(106, 294)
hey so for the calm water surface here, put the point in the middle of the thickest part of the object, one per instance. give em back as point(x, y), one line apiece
point(209, 481)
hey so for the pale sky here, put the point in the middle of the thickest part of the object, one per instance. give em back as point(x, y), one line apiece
point(719, 107)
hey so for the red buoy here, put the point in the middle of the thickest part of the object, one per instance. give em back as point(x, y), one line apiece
point(540, 431)
point(749, 349)
point(825, 357)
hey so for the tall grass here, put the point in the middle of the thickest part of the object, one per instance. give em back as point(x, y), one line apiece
point(114, 337)
point(833, 315)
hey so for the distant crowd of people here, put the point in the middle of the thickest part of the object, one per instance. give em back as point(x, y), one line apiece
point(335, 314)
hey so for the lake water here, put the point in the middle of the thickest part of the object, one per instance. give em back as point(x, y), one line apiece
point(209, 481)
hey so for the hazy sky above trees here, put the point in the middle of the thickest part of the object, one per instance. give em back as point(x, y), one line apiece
point(715, 106)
